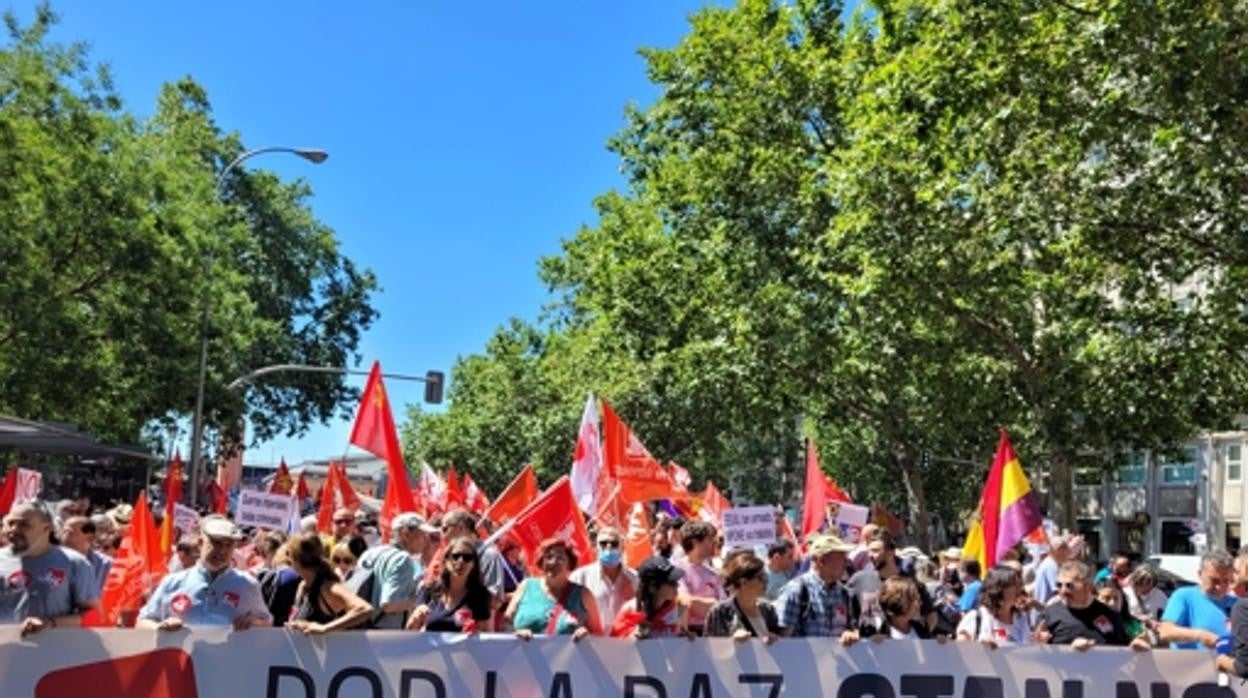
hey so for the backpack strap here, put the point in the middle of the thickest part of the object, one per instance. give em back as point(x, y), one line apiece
point(803, 604)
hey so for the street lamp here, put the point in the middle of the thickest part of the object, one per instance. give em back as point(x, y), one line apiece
point(313, 155)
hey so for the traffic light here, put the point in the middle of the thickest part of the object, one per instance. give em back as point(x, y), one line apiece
point(433, 387)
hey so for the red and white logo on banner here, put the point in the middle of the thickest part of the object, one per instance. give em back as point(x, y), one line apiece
point(29, 482)
point(19, 580)
point(180, 604)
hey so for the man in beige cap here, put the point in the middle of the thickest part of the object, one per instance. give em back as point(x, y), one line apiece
point(816, 604)
point(211, 593)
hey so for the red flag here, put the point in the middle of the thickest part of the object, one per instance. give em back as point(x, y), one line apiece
point(474, 498)
point(680, 481)
point(519, 493)
point(335, 494)
point(833, 492)
point(815, 500)
point(282, 482)
point(8, 491)
point(139, 565)
point(641, 478)
point(552, 515)
point(173, 495)
point(885, 519)
point(302, 490)
point(789, 533)
point(432, 489)
point(454, 497)
point(217, 496)
point(374, 432)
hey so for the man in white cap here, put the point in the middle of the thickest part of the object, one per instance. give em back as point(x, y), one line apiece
point(394, 574)
point(211, 593)
point(42, 585)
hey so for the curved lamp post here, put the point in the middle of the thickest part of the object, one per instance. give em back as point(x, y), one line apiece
point(313, 155)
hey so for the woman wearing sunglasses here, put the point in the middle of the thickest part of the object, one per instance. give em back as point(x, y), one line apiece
point(457, 600)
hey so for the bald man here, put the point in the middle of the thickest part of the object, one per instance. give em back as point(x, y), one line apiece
point(42, 585)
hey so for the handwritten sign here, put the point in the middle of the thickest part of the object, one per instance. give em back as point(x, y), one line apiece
point(746, 527)
point(264, 510)
point(185, 518)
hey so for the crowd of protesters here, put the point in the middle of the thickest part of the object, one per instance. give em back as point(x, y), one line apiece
point(441, 576)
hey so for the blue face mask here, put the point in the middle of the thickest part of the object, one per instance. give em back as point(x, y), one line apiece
point(611, 558)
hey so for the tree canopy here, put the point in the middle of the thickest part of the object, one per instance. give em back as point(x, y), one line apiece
point(905, 228)
point(107, 219)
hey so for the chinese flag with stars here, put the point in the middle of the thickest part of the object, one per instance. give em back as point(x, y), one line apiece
point(374, 432)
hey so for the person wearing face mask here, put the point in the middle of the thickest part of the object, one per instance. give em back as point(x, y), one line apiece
point(553, 604)
point(608, 579)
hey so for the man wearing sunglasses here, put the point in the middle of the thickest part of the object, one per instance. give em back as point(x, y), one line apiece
point(1079, 619)
point(344, 527)
point(608, 579)
point(1199, 616)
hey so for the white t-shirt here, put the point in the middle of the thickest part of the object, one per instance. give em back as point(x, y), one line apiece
point(1151, 606)
point(895, 634)
point(1017, 632)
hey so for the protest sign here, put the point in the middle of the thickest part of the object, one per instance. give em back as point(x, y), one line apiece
point(185, 518)
point(746, 527)
point(847, 520)
point(264, 510)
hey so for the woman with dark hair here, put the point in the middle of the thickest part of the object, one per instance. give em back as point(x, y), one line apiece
point(457, 601)
point(997, 621)
point(745, 613)
point(656, 610)
point(552, 604)
point(323, 604)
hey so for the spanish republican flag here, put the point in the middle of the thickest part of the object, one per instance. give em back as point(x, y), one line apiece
point(1008, 509)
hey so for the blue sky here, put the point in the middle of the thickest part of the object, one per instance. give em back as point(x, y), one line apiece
point(465, 139)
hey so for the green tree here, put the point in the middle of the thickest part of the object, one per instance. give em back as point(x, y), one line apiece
point(106, 220)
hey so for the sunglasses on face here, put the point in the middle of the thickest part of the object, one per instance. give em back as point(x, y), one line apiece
point(463, 557)
point(1068, 585)
point(344, 522)
point(608, 544)
point(343, 561)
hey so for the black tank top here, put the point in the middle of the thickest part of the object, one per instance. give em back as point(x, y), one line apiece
point(312, 606)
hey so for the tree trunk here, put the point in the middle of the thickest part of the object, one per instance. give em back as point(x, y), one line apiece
point(1062, 494)
point(912, 477)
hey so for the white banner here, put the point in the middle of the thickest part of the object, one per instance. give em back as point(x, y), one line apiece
point(29, 482)
point(264, 510)
point(282, 664)
point(847, 520)
point(746, 527)
point(185, 518)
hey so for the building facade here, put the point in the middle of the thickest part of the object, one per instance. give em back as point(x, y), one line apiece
point(1157, 503)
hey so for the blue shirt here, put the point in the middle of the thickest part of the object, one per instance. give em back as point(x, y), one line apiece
point(394, 581)
point(1190, 607)
point(201, 600)
point(970, 596)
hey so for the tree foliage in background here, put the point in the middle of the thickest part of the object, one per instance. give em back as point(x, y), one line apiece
point(906, 229)
point(106, 220)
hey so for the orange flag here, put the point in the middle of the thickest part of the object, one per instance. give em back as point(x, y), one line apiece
point(173, 495)
point(519, 493)
point(374, 432)
point(637, 537)
point(552, 515)
point(282, 482)
point(641, 478)
point(139, 565)
point(713, 505)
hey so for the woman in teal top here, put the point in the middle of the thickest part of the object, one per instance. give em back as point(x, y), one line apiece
point(551, 604)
